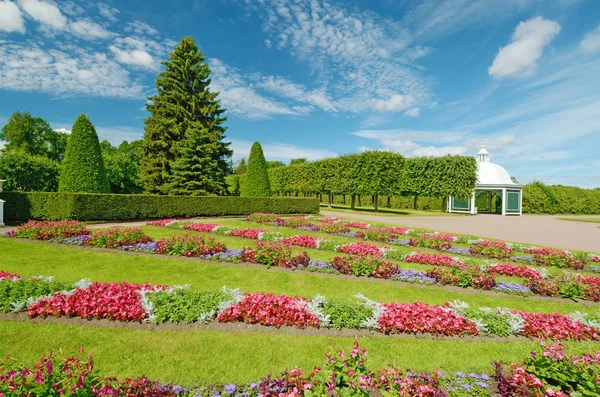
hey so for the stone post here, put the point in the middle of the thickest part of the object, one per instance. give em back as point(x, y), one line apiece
point(1, 205)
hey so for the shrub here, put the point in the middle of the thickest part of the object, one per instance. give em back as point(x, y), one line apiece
point(257, 176)
point(362, 249)
point(29, 173)
point(83, 167)
point(84, 207)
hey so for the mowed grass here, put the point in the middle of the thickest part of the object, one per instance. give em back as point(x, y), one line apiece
point(69, 263)
point(208, 357)
point(384, 211)
point(590, 220)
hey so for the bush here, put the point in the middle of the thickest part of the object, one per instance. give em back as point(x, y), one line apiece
point(20, 207)
point(83, 167)
point(541, 199)
point(257, 176)
point(29, 173)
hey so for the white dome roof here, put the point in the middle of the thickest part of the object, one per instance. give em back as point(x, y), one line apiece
point(492, 174)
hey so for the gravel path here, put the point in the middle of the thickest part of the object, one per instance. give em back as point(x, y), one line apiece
point(544, 230)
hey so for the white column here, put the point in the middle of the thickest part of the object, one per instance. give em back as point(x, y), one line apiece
point(504, 201)
point(449, 205)
point(473, 204)
point(520, 202)
point(2, 212)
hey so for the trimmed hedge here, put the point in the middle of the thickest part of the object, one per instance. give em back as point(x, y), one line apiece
point(88, 206)
point(543, 199)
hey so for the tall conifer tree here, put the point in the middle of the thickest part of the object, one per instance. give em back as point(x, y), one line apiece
point(183, 151)
point(256, 183)
point(83, 170)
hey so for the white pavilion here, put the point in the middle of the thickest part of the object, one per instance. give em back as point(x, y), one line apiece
point(504, 196)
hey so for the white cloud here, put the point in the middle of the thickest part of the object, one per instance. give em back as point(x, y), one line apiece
point(395, 103)
point(88, 29)
point(591, 41)
point(288, 89)
point(63, 130)
point(11, 19)
point(368, 55)
point(45, 12)
point(108, 12)
point(134, 57)
point(239, 97)
point(268, 43)
point(414, 112)
point(280, 151)
point(140, 28)
point(519, 58)
point(70, 71)
point(71, 8)
point(413, 143)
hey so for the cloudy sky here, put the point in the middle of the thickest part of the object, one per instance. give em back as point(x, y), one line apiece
point(309, 78)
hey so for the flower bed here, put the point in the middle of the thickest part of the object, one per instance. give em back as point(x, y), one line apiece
point(48, 230)
point(191, 245)
point(201, 227)
point(549, 372)
point(362, 249)
point(145, 302)
point(116, 237)
point(508, 269)
point(431, 259)
point(113, 301)
point(491, 249)
point(552, 257)
point(421, 318)
point(271, 310)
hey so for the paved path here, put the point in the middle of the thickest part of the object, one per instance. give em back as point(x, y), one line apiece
point(543, 230)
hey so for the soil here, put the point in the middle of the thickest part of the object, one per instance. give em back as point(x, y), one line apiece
point(244, 328)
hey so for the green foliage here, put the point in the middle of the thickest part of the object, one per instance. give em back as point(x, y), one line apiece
point(122, 166)
point(184, 305)
point(83, 167)
point(183, 150)
point(257, 176)
point(233, 184)
point(24, 206)
point(24, 133)
point(539, 198)
point(240, 168)
point(18, 291)
point(347, 315)
point(26, 172)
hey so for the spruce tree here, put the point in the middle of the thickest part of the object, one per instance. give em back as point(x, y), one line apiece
point(83, 167)
point(183, 150)
point(256, 183)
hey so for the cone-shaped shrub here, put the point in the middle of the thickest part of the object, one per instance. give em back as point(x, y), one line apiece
point(256, 183)
point(83, 167)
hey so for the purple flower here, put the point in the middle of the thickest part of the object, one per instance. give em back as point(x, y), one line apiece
point(399, 241)
point(511, 288)
point(458, 251)
point(412, 276)
point(521, 257)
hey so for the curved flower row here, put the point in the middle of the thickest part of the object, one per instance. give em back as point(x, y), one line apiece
point(548, 372)
point(440, 241)
point(145, 302)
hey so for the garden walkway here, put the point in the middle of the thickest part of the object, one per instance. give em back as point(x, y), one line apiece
point(543, 230)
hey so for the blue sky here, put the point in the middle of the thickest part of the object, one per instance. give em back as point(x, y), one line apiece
point(309, 78)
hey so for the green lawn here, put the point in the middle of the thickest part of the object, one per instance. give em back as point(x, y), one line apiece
point(590, 220)
point(68, 263)
point(201, 357)
point(384, 211)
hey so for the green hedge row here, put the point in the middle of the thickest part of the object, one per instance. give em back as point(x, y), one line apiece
point(542, 199)
point(87, 207)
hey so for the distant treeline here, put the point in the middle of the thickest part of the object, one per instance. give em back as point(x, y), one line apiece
point(375, 174)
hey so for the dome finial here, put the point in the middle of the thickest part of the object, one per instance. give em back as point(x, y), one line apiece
point(483, 155)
